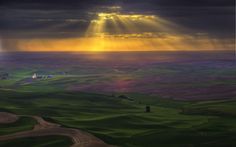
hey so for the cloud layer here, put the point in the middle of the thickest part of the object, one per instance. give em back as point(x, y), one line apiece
point(66, 19)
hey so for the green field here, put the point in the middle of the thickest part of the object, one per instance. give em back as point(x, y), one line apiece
point(24, 123)
point(48, 141)
point(191, 95)
point(123, 122)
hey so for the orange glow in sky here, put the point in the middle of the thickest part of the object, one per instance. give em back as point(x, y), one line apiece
point(127, 32)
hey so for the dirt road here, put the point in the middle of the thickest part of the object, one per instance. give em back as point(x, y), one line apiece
point(6, 118)
point(44, 128)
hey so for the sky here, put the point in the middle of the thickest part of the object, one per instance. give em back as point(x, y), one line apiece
point(117, 25)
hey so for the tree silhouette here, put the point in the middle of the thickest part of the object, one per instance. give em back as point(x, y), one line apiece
point(148, 109)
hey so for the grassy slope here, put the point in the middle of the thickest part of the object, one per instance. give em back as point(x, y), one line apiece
point(24, 123)
point(124, 123)
point(48, 141)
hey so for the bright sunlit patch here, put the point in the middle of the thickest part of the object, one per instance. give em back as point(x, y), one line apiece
point(123, 43)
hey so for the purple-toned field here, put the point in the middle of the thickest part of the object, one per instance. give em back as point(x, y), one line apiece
point(175, 75)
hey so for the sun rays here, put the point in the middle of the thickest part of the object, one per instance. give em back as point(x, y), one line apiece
point(117, 23)
point(139, 32)
point(124, 32)
point(116, 31)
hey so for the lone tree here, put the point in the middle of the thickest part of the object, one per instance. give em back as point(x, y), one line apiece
point(148, 109)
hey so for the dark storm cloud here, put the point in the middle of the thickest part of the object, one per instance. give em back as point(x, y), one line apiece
point(217, 21)
point(69, 18)
point(17, 23)
point(87, 3)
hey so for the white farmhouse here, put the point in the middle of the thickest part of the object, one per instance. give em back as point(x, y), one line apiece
point(34, 76)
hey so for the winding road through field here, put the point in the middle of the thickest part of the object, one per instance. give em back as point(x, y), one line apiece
point(45, 128)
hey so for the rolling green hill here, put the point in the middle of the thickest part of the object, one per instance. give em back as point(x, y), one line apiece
point(123, 122)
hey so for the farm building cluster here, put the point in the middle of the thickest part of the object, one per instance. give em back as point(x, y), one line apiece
point(37, 76)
